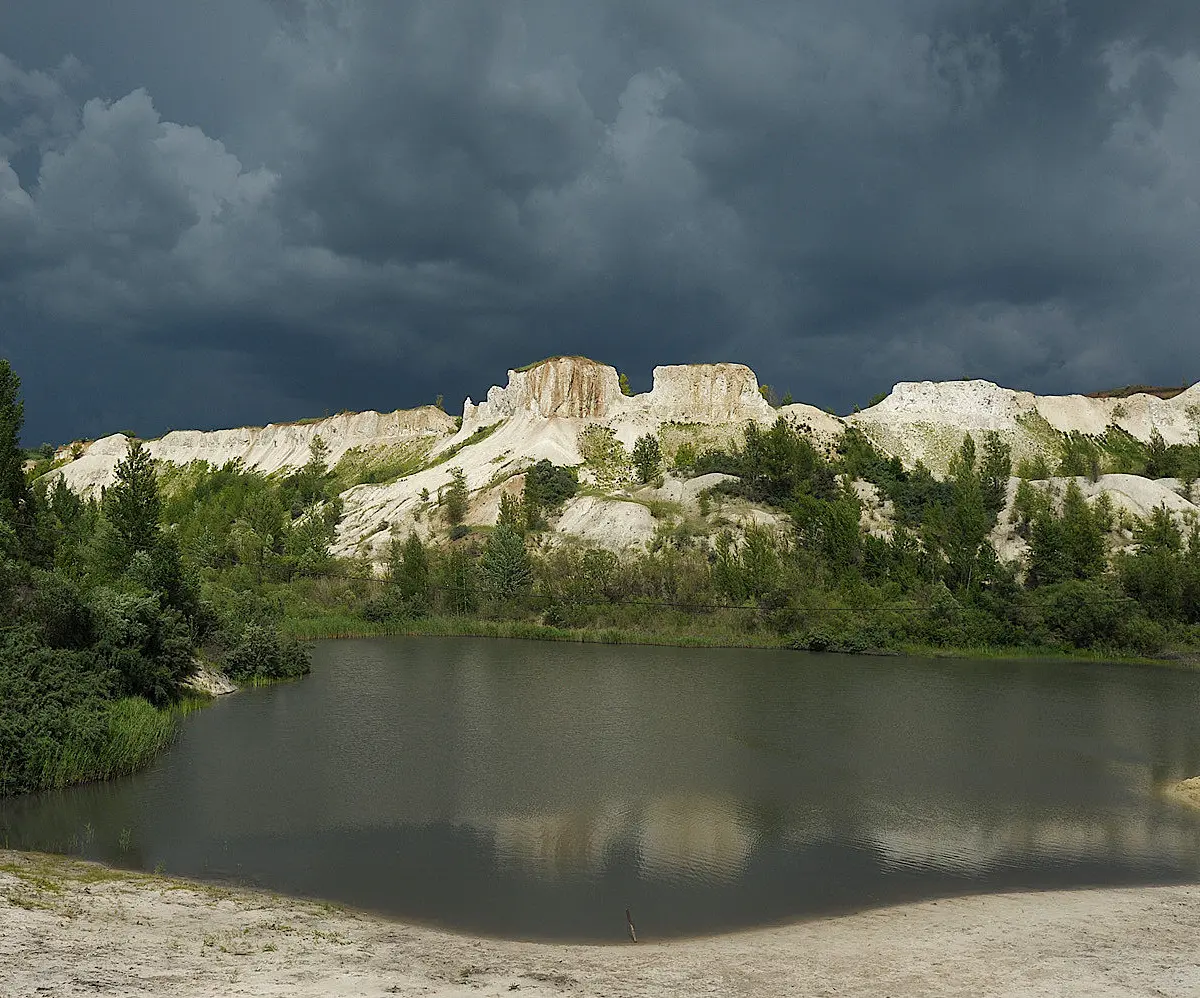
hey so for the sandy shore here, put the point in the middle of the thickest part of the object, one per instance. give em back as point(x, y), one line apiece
point(69, 928)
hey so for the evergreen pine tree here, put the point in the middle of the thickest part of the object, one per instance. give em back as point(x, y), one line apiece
point(131, 504)
point(1082, 537)
point(967, 520)
point(14, 493)
point(409, 569)
point(505, 565)
point(456, 498)
point(995, 472)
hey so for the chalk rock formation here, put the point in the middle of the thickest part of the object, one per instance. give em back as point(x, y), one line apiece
point(564, 387)
point(267, 448)
point(582, 389)
point(926, 420)
point(705, 393)
point(605, 523)
point(540, 412)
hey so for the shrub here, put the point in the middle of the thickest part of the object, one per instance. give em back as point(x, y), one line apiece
point(455, 499)
point(262, 652)
point(604, 454)
point(647, 457)
point(148, 646)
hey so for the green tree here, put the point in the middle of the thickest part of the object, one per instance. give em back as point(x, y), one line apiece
point(1160, 460)
point(307, 541)
point(547, 487)
point(1028, 504)
point(131, 504)
point(261, 652)
point(1067, 545)
point(147, 645)
point(512, 514)
point(623, 383)
point(684, 462)
point(456, 499)
point(995, 472)
point(14, 493)
point(780, 464)
point(1082, 535)
point(647, 457)
point(1048, 561)
point(830, 528)
point(604, 454)
point(505, 566)
point(1160, 533)
point(960, 527)
point(456, 579)
point(409, 570)
point(759, 561)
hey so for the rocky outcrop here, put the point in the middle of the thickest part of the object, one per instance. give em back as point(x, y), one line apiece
point(209, 681)
point(605, 523)
point(706, 393)
point(562, 387)
point(578, 388)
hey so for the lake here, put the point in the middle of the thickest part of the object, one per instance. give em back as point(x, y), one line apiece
point(537, 790)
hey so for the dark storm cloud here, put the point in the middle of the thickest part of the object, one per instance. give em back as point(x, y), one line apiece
point(363, 204)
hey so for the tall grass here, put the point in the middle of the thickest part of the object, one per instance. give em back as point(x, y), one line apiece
point(128, 735)
point(703, 634)
point(344, 625)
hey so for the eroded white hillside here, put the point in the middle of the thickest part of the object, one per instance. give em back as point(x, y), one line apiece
point(541, 411)
point(925, 420)
point(263, 448)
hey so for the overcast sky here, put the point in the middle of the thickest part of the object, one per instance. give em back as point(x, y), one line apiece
point(232, 211)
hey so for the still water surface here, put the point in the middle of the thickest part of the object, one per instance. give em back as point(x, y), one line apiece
point(533, 789)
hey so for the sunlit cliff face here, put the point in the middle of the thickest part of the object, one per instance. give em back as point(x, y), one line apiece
point(542, 410)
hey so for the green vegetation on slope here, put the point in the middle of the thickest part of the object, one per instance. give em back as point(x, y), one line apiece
point(820, 583)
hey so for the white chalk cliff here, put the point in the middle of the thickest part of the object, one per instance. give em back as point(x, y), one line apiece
point(542, 410)
point(925, 420)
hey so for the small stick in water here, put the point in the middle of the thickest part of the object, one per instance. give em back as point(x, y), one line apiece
point(632, 930)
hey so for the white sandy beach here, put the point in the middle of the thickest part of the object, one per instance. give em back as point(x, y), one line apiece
point(70, 928)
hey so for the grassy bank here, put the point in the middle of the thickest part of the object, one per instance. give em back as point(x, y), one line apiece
point(346, 626)
point(121, 739)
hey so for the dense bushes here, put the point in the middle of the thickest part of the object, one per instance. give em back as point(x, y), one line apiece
point(261, 652)
point(104, 604)
point(823, 582)
point(547, 487)
point(62, 720)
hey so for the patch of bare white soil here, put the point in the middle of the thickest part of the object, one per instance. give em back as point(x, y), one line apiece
point(69, 928)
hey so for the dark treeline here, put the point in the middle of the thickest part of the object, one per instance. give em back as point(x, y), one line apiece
point(102, 617)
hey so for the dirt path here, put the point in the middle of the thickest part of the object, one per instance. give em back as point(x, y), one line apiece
point(69, 928)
